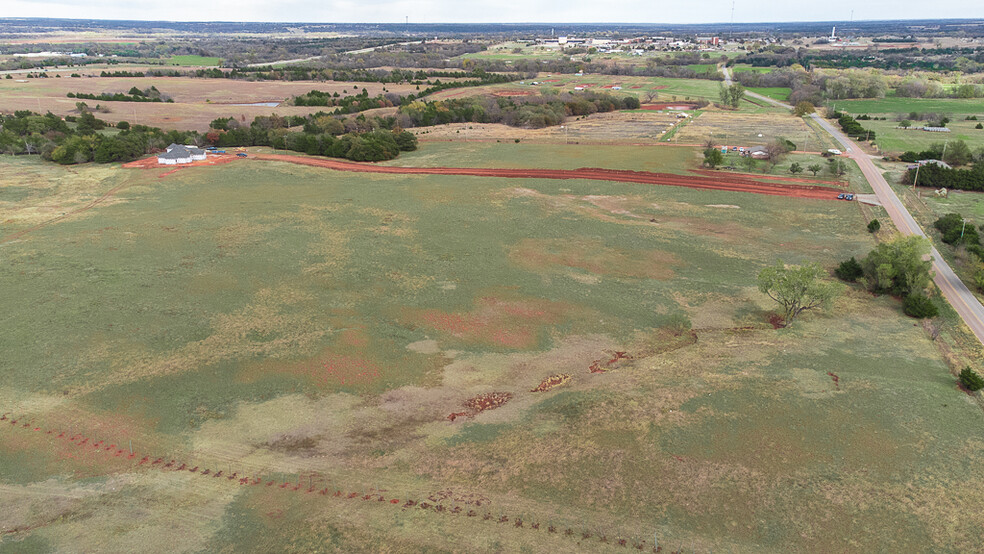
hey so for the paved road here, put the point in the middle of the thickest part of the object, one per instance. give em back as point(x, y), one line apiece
point(955, 291)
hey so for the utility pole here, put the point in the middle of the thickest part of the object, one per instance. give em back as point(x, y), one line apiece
point(943, 155)
point(916, 178)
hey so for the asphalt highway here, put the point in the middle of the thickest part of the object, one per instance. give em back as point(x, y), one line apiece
point(955, 291)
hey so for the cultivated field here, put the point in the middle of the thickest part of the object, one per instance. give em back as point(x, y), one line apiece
point(310, 359)
point(622, 127)
point(728, 128)
point(196, 101)
point(668, 90)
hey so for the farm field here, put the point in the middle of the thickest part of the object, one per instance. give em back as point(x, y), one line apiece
point(310, 331)
point(196, 101)
point(728, 128)
point(621, 127)
point(668, 90)
point(194, 61)
point(893, 139)
point(776, 93)
point(892, 105)
point(739, 67)
point(549, 156)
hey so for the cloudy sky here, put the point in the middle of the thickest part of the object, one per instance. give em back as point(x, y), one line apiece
point(482, 11)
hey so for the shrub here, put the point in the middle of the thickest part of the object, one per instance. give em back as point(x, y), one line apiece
point(971, 380)
point(849, 271)
point(918, 306)
point(873, 226)
point(979, 126)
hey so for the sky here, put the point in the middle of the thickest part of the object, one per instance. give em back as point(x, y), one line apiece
point(495, 11)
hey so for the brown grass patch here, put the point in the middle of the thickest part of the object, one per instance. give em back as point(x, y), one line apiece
point(495, 321)
point(593, 256)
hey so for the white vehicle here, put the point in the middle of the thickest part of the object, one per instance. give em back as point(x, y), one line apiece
point(835, 151)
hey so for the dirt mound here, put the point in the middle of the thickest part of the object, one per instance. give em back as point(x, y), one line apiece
point(481, 403)
point(726, 183)
point(552, 382)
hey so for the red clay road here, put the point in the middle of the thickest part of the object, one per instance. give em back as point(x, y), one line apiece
point(737, 184)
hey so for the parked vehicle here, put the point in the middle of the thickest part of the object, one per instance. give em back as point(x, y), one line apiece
point(841, 196)
point(241, 154)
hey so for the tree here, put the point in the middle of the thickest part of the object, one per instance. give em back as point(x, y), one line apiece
point(713, 157)
point(873, 226)
point(919, 306)
point(748, 162)
point(958, 153)
point(803, 108)
point(796, 288)
point(849, 270)
point(651, 96)
point(897, 266)
point(836, 167)
point(979, 126)
point(971, 380)
point(905, 124)
point(795, 168)
point(731, 96)
point(815, 168)
point(123, 125)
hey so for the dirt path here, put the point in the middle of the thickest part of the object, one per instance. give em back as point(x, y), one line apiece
point(596, 174)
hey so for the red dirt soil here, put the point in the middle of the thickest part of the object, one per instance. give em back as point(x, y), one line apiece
point(513, 93)
point(151, 163)
point(735, 184)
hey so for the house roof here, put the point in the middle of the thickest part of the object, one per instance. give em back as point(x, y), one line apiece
point(176, 152)
point(937, 162)
point(170, 146)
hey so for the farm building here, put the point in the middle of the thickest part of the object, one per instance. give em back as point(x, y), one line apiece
point(935, 162)
point(758, 153)
point(179, 154)
point(936, 129)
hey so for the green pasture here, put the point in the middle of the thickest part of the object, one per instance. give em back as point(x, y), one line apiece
point(893, 139)
point(738, 68)
point(194, 60)
point(893, 105)
point(315, 326)
point(776, 93)
point(665, 159)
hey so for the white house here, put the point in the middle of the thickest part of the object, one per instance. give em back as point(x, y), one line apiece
point(178, 154)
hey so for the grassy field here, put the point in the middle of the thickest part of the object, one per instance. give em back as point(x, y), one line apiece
point(667, 89)
point(738, 68)
point(194, 60)
point(665, 159)
point(893, 139)
point(729, 128)
point(318, 327)
point(776, 93)
point(622, 127)
point(897, 105)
